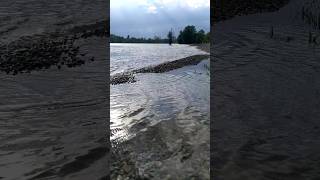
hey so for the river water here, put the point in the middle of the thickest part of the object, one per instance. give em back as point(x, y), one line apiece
point(129, 56)
point(158, 106)
point(266, 94)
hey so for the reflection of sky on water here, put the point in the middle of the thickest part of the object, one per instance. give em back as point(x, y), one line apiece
point(179, 94)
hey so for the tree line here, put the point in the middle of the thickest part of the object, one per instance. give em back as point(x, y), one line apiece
point(189, 35)
point(128, 39)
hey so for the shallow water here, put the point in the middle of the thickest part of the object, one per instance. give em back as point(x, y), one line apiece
point(161, 103)
point(129, 56)
point(266, 93)
point(154, 97)
point(50, 126)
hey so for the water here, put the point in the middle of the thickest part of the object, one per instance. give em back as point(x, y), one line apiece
point(52, 122)
point(153, 95)
point(266, 94)
point(28, 17)
point(158, 105)
point(128, 56)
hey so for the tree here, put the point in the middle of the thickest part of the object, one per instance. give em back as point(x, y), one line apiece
point(207, 38)
point(200, 37)
point(180, 38)
point(170, 37)
point(189, 35)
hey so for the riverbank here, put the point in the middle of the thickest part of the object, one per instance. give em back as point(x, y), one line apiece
point(203, 47)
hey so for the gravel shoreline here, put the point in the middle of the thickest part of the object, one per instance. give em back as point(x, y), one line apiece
point(128, 77)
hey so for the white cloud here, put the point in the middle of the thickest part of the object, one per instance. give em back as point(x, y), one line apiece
point(197, 3)
point(151, 6)
point(152, 9)
point(191, 4)
point(134, 17)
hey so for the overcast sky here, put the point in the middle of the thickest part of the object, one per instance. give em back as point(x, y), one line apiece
point(147, 18)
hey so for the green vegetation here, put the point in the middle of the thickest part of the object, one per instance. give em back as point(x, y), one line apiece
point(128, 39)
point(189, 35)
point(170, 37)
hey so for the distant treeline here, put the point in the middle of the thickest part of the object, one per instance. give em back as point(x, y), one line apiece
point(128, 39)
point(188, 36)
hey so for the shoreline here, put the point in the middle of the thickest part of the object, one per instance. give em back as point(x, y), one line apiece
point(203, 47)
point(128, 77)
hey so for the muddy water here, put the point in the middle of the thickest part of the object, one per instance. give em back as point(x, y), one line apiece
point(266, 93)
point(158, 119)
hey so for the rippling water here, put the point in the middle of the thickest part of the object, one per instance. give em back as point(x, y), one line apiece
point(50, 126)
point(161, 103)
point(266, 94)
point(155, 97)
point(128, 56)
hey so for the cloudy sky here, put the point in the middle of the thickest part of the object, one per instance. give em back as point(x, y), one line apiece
point(147, 18)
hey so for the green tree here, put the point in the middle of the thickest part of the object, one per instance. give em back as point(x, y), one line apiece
point(170, 37)
point(200, 37)
point(189, 35)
